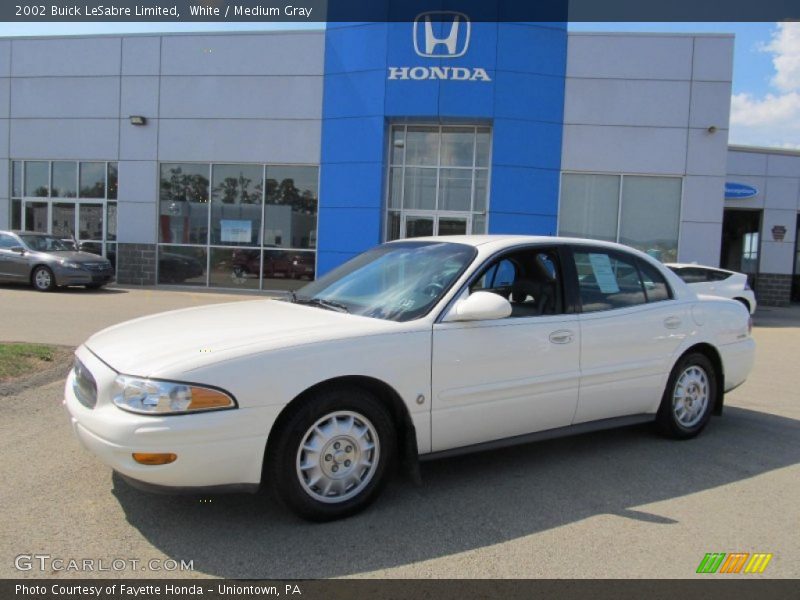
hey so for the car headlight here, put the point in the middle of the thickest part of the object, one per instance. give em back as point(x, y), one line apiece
point(148, 396)
point(70, 264)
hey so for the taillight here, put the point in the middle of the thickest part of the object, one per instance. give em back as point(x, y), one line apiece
point(750, 326)
point(747, 284)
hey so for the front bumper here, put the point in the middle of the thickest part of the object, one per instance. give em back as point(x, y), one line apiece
point(215, 449)
point(65, 276)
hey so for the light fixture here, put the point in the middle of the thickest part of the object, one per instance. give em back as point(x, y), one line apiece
point(138, 120)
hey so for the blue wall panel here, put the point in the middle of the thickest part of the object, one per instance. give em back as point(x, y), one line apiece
point(353, 184)
point(524, 190)
point(523, 102)
point(522, 224)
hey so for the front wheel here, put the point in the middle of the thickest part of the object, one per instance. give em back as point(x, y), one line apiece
point(331, 457)
point(43, 279)
point(689, 397)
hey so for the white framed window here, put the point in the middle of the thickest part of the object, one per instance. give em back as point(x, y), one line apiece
point(74, 200)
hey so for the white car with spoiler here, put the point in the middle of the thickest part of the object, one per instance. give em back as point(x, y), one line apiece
point(412, 350)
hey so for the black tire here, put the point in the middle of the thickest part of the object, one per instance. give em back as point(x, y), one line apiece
point(42, 279)
point(667, 420)
point(282, 472)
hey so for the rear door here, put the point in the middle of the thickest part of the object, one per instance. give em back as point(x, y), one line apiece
point(630, 329)
point(501, 378)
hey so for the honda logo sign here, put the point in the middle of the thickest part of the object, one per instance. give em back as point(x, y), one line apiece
point(454, 40)
point(440, 34)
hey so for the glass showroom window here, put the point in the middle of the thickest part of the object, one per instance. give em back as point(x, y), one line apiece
point(640, 211)
point(438, 180)
point(70, 199)
point(237, 225)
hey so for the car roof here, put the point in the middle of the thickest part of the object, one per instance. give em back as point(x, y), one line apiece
point(499, 241)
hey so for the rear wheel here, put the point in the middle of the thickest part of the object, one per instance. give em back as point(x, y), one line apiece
point(43, 279)
point(331, 456)
point(689, 397)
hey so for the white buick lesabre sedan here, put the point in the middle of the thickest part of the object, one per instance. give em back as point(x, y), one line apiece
point(414, 349)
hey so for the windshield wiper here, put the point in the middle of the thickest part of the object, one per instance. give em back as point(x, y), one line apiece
point(326, 304)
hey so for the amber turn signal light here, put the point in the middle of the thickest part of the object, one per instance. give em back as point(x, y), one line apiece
point(154, 458)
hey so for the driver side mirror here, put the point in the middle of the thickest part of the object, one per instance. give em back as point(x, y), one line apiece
point(17, 249)
point(479, 306)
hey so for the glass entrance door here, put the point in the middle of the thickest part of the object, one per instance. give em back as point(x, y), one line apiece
point(423, 225)
point(741, 233)
point(82, 221)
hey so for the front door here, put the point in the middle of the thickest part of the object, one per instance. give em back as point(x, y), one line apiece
point(502, 378)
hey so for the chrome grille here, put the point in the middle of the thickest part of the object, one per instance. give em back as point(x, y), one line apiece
point(84, 385)
point(95, 266)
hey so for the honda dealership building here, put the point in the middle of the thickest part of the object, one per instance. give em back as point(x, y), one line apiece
point(262, 160)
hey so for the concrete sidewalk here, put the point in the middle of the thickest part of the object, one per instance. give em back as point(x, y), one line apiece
point(69, 316)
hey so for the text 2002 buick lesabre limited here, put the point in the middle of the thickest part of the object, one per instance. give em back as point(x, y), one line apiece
point(415, 348)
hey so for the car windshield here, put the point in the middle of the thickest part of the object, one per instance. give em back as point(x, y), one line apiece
point(397, 282)
point(44, 243)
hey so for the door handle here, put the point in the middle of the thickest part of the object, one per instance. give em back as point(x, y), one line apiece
point(562, 336)
point(672, 322)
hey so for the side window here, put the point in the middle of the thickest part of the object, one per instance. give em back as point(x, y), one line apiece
point(6, 241)
point(529, 279)
point(715, 275)
point(498, 277)
point(655, 286)
point(607, 281)
point(693, 275)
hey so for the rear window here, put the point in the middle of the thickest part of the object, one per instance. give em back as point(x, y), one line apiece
point(716, 275)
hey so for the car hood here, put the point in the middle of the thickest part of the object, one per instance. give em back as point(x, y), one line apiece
point(75, 256)
point(188, 339)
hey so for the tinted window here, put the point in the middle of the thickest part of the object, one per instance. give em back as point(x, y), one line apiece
point(290, 214)
point(236, 204)
point(655, 286)
point(6, 241)
point(690, 274)
point(607, 281)
point(715, 275)
point(184, 203)
point(529, 279)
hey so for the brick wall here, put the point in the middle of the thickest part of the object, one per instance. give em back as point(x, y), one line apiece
point(136, 264)
point(774, 289)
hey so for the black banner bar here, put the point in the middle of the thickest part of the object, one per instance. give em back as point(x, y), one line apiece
point(396, 10)
point(713, 588)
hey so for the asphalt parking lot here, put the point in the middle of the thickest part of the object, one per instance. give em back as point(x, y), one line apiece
point(622, 503)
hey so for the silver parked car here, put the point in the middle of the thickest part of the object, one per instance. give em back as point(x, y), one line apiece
point(46, 262)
